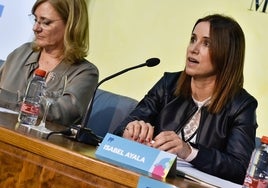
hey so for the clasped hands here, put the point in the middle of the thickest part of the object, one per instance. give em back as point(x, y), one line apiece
point(168, 141)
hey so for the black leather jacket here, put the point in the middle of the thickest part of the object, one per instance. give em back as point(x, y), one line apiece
point(225, 140)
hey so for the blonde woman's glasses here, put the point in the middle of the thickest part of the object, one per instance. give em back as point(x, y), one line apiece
point(44, 23)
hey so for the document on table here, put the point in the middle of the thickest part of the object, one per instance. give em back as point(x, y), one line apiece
point(186, 170)
point(7, 111)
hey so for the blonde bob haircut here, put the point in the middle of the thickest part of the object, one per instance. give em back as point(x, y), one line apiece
point(76, 37)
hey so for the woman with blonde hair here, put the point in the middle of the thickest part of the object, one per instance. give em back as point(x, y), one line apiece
point(60, 46)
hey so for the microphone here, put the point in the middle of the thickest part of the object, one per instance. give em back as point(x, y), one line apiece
point(79, 131)
point(149, 63)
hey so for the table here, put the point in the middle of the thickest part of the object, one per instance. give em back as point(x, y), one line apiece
point(27, 160)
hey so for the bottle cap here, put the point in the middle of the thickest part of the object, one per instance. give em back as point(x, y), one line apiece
point(40, 72)
point(264, 139)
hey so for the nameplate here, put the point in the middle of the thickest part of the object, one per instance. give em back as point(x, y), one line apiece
point(135, 156)
point(145, 182)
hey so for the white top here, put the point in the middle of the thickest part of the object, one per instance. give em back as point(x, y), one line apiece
point(192, 126)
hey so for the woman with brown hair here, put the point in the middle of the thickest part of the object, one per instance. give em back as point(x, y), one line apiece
point(202, 114)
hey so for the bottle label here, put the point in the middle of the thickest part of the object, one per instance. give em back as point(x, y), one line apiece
point(30, 109)
point(251, 182)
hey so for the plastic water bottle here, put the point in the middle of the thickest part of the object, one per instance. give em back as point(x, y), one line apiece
point(257, 172)
point(30, 106)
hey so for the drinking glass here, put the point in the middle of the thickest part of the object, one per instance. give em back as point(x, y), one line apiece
point(42, 126)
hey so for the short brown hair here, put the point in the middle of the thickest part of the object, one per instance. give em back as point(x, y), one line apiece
point(76, 37)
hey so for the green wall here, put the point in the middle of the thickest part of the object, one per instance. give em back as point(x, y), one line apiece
point(125, 33)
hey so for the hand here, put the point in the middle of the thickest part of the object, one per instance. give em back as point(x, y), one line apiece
point(139, 131)
point(169, 141)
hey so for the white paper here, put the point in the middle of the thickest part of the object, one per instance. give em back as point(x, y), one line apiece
point(203, 178)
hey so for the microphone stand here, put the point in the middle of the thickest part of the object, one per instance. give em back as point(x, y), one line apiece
point(89, 108)
point(77, 132)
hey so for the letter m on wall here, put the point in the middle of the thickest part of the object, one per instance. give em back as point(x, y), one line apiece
point(258, 4)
